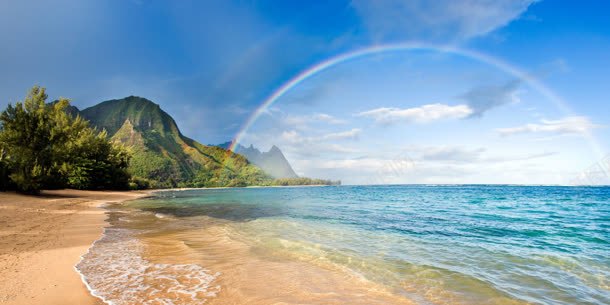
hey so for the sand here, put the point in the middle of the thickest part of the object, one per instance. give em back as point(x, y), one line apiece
point(43, 237)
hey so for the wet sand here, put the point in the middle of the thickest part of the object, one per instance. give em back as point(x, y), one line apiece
point(41, 240)
point(248, 277)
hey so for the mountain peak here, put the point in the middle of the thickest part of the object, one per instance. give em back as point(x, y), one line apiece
point(275, 149)
point(272, 162)
point(142, 113)
point(138, 99)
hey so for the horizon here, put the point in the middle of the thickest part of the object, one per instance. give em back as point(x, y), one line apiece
point(349, 91)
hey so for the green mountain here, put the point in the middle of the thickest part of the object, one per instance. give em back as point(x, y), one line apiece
point(162, 155)
point(272, 162)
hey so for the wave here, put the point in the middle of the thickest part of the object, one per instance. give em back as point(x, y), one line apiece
point(114, 270)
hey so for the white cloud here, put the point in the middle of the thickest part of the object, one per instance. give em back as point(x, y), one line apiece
point(344, 135)
point(297, 144)
point(317, 150)
point(293, 136)
point(452, 153)
point(327, 118)
point(437, 20)
point(567, 125)
point(422, 114)
point(370, 166)
point(300, 120)
point(457, 154)
point(305, 122)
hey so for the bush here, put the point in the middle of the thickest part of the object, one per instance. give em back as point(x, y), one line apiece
point(138, 183)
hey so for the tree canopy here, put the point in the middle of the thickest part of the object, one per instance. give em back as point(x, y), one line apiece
point(42, 146)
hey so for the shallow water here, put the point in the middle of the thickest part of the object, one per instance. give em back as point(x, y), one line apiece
point(357, 245)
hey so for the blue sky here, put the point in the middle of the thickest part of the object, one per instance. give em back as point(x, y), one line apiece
point(418, 116)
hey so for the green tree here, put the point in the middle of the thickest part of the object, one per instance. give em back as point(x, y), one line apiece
point(45, 147)
point(26, 135)
point(90, 161)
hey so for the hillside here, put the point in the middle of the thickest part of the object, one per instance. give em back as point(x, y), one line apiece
point(162, 154)
point(272, 162)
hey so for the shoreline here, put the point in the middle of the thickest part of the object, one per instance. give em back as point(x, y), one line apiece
point(179, 189)
point(224, 263)
point(42, 238)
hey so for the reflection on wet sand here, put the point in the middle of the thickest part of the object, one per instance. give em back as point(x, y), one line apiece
point(246, 277)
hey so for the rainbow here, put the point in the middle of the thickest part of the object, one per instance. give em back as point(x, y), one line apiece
point(400, 47)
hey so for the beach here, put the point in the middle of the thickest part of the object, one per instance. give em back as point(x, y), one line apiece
point(43, 237)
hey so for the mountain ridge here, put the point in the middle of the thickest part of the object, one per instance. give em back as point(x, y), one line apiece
point(272, 162)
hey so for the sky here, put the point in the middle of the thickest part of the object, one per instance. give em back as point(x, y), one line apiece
point(374, 92)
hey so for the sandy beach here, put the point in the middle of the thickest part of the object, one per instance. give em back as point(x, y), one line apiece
point(41, 240)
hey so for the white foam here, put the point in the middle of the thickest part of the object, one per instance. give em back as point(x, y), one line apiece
point(114, 270)
point(160, 215)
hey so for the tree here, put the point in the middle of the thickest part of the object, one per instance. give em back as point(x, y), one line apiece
point(90, 161)
point(26, 135)
point(45, 147)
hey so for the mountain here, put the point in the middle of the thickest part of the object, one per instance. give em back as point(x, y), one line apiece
point(161, 154)
point(272, 162)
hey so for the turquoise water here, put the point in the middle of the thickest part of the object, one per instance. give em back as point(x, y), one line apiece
point(432, 244)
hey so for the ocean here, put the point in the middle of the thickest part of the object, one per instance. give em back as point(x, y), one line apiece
point(391, 244)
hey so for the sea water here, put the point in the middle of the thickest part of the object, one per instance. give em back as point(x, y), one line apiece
point(414, 244)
